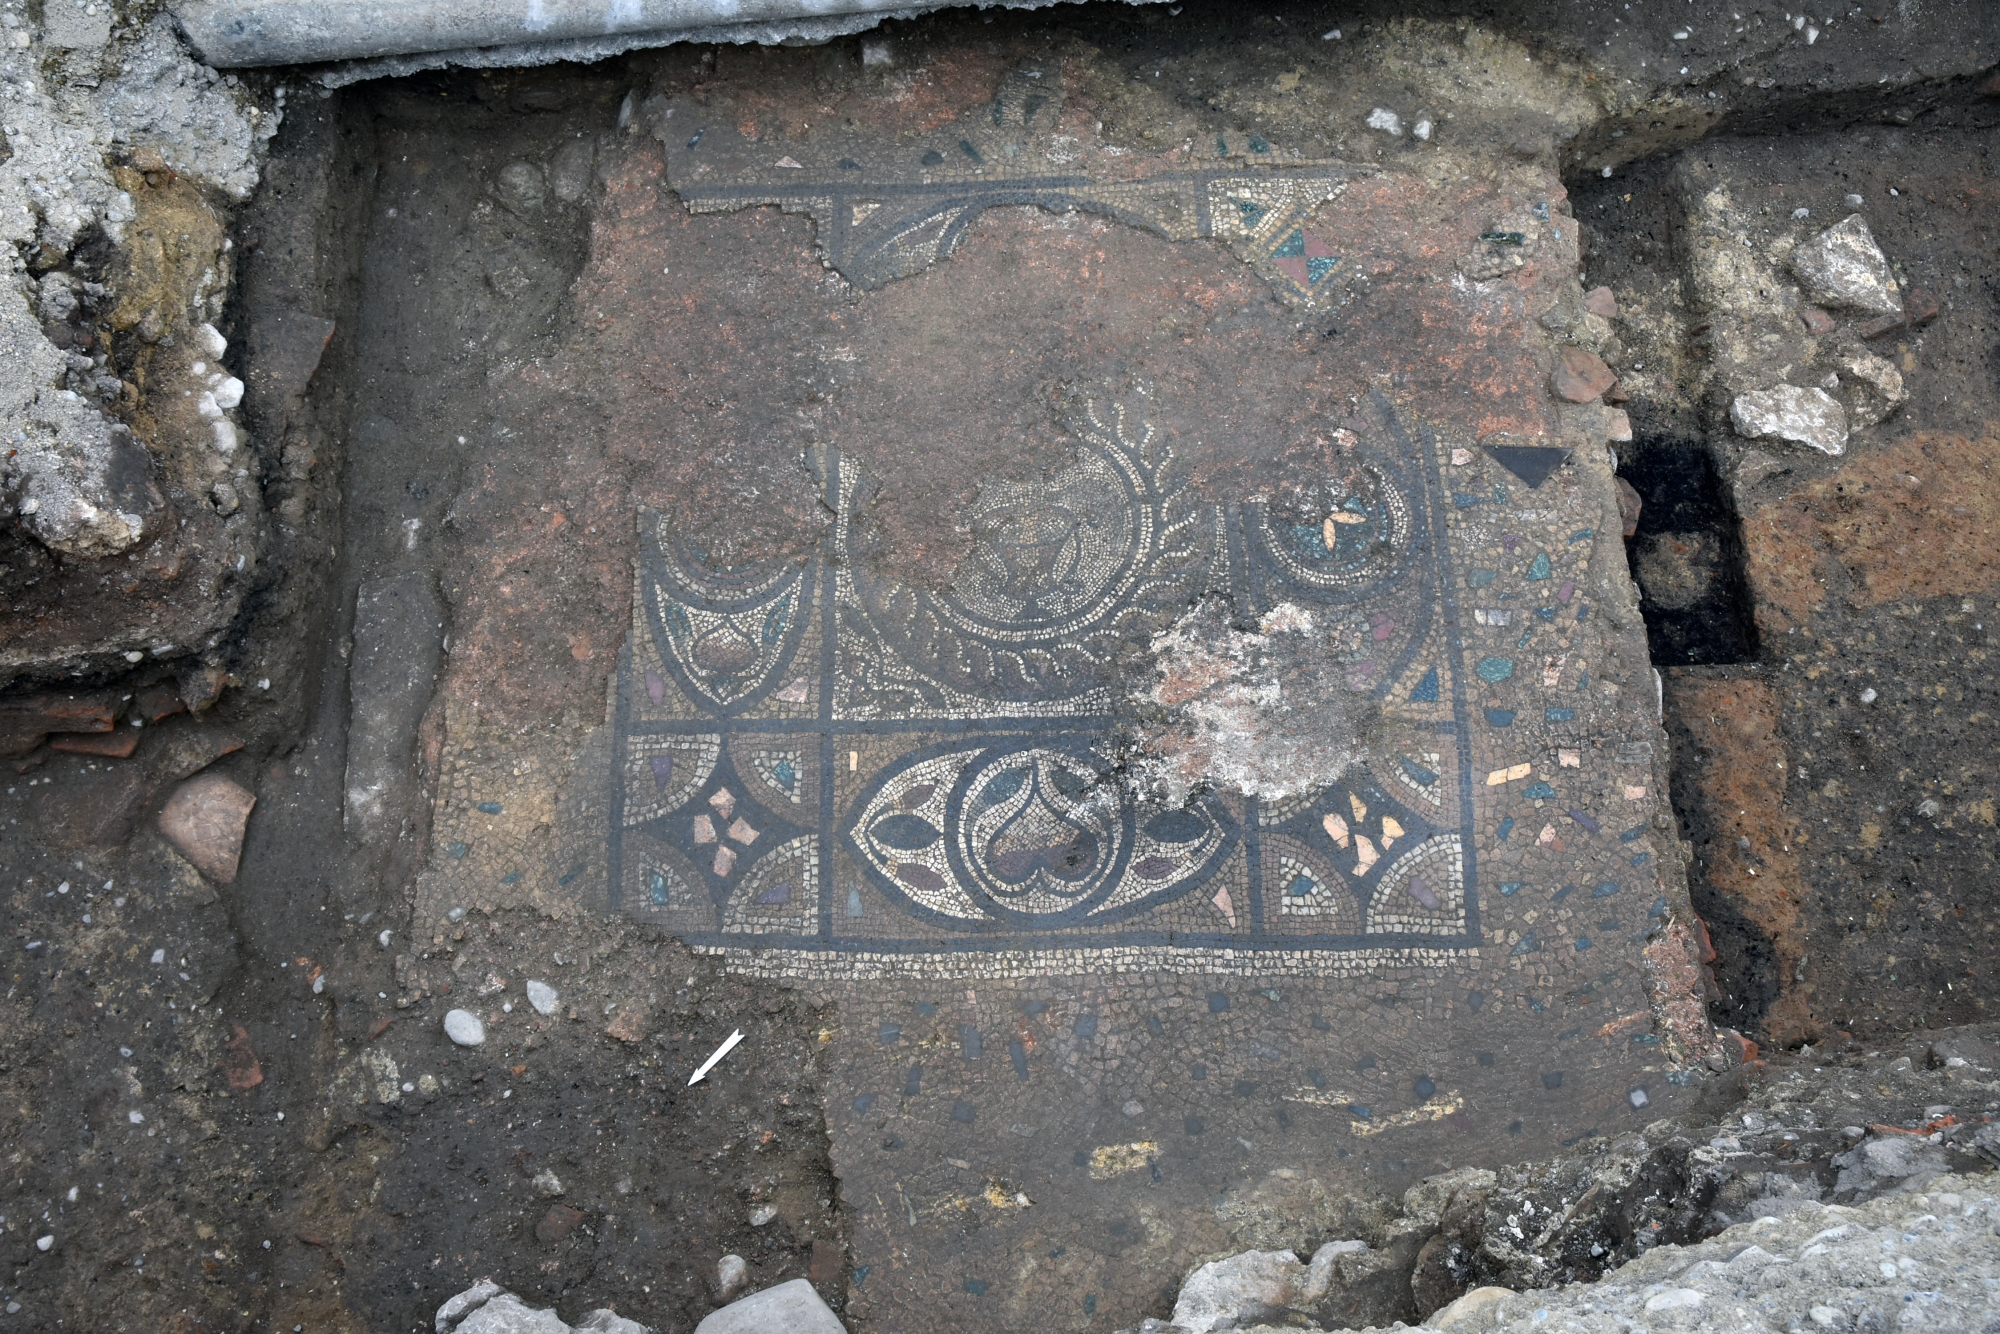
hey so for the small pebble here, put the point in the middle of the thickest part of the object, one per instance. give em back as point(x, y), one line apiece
point(543, 997)
point(1852, 201)
point(45, 1243)
point(1133, 1107)
point(464, 1028)
point(731, 1273)
point(761, 1215)
point(1868, 695)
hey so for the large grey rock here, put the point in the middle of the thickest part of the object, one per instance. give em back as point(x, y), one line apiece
point(1476, 1310)
point(1887, 1162)
point(1924, 1258)
point(789, 1308)
point(1843, 266)
point(78, 479)
point(1243, 1289)
point(487, 1308)
point(1809, 417)
point(398, 641)
point(1257, 1287)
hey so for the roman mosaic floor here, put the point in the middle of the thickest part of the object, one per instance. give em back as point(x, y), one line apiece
point(1140, 636)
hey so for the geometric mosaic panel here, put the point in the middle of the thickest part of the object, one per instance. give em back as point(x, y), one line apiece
point(819, 762)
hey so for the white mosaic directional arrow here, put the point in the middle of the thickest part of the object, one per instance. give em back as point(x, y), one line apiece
point(728, 1045)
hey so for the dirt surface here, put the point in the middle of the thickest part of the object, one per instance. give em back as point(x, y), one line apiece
point(1829, 767)
point(481, 331)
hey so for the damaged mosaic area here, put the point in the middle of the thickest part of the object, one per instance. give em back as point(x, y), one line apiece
point(818, 770)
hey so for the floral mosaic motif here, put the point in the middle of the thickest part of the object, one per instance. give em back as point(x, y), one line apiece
point(1064, 573)
point(882, 769)
point(1027, 835)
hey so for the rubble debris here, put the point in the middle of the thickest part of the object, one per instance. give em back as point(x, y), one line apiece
point(1843, 266)
point(27, 720)
point(487, 1308)
point(1874, 388)
point(1802, 416)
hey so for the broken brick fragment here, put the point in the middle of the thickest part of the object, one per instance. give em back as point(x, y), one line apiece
point(629, 1024)
point(111, 745)
point(1580, 376)
point(557, 1223)
point(1919, 309)
point(157, 702)
point(1629, 506)
point(240, 1065)
point(26, 720)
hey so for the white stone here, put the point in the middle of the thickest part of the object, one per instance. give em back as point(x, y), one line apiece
point(212, 340)
point(761, 1215)
point(731, 1273)
point(543, 997)
point(789, 1308)
point(1381, 118)
point(464, 1028)
point(229, 392)
point(547, 1184)
point(1843, 266)
point(1803, 416)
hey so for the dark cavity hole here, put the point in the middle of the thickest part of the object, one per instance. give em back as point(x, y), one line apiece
point(1687, 556)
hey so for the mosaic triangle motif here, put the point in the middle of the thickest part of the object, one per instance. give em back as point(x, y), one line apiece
point(1531, 463)
point(1304, 258)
